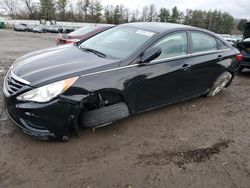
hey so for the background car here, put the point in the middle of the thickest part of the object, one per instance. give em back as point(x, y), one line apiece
point(39, 29)
point(244, 46)
point(122, 71)
point(81, 34)
point(238, 37)
point(20, 27)
point(68, 29)
point(229, 38)
point(30, 27)
point(55, 29)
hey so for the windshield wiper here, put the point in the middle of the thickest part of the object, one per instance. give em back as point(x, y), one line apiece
point(100, 54)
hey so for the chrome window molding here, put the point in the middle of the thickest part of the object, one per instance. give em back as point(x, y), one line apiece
point(171, 58)
point(154, 61)
point(189, 55)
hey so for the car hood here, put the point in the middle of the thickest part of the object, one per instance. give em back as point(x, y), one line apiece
point(48, 65)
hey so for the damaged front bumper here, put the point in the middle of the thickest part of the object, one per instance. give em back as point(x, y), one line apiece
point(43, 121)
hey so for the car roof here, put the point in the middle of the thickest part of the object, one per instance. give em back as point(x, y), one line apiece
point(101, 25)
point(157, 27)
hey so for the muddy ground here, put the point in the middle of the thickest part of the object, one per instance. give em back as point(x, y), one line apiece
point(199, 143)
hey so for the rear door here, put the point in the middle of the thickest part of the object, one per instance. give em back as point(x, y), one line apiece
point(208, 60)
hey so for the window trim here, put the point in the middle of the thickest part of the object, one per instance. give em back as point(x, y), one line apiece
point(189, 47)
point(190, 55)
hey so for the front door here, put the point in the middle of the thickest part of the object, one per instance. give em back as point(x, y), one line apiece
point(167, 78)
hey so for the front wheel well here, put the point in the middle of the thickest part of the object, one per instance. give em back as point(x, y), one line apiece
point(102, 98)
point(101, 108)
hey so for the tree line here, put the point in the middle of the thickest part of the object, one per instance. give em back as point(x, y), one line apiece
point(94, 11)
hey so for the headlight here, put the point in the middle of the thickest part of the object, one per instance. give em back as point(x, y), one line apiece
point(47, 92)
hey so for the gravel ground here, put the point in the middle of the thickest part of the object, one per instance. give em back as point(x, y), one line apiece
point(199, 143)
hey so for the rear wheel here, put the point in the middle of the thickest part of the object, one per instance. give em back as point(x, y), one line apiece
point(221, 82)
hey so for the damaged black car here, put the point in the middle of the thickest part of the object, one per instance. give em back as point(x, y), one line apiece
point(123, 71)
point(244, 47)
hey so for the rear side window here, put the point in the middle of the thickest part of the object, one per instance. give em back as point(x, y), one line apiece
point(222, 45)
point(203, 42)
point(172, 45)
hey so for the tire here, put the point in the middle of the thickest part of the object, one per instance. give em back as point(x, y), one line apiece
point(221, 82)
point(104, 116)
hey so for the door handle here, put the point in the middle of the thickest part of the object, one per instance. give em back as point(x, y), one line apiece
point(186, 66)
point(220, 57)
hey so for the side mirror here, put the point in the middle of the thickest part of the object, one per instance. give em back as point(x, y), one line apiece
point(151, 54)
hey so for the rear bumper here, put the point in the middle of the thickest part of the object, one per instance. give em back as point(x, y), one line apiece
point(245, 63)
point(246, 60)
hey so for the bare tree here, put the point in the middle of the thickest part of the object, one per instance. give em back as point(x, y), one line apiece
point(152, 13)
point(145, 11)
point(79, 9)
point(47, 9)
point(85, 9)
point(10, 6)
point(70, 14)
point(61, 8)
point(30, 7)
point(109, 13)
point(123, 15)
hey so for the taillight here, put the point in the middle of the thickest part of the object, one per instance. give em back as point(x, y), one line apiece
point(57, 40)
point(68, 41)
point(239, 58)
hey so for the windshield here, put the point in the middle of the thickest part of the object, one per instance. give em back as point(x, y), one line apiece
point(118, 42)
point(83, 31)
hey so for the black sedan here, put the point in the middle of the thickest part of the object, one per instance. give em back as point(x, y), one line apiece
point(125, 70)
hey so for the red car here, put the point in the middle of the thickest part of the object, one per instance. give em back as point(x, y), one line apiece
point(81, 34)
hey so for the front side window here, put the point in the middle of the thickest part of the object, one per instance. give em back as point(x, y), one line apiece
point(172, 45)
point(118, 42)
point(202, 42)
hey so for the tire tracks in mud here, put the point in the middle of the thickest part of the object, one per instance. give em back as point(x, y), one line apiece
point(180, 158)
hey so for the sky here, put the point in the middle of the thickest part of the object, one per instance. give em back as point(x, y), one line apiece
point(237, 8)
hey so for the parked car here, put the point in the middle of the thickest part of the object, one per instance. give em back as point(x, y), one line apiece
point(55, 29)
point(244, 46)
point(39, 29)
point(68, 29)
point(229, 38)
point(20, 27)
point(30, 27)
point(238, 37)
point(81, 34)
point(122, 71)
